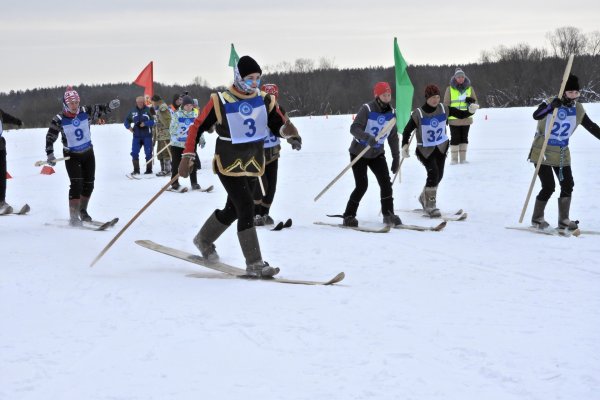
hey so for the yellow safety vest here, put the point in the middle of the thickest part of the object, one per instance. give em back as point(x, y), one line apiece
point(457, 99)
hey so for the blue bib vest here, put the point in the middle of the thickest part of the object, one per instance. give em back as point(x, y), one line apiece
point(77, 132)
point(375, 123)
point(247, 119)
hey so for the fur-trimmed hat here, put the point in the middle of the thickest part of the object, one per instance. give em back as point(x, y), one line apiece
point(572, 83)
point(247, 65)
point(431, 90)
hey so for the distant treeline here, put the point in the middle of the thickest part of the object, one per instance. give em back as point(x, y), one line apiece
point(520, 76)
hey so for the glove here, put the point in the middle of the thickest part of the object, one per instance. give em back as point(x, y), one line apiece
point(51, 160)
point(473, 107)
point(19, 123)
point(372, 141)
point(114, 104)
point(186, 164)
point(295, 142)
point(288, 130)
point(470, 100)
point(556, 103)
point(395, 165)
point(405, 153)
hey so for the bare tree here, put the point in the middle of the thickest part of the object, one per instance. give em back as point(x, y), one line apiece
point(304, 65)
point(567, 40)
point(593, 43)
point(327, 63)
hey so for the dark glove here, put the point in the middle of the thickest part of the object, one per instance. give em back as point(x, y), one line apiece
point(51, 160)
point(19, 122)
point(372, 141)
point(395, 165)
point(470, 100)
point(288, 130)
point(186, 164)
point(295, 142)
point(556, 103)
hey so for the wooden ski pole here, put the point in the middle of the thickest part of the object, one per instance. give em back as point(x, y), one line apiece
point(546, 137)
point(44, 162)
point(156, 155)
point(118, 235)
point(402, 160)
point(387, 127)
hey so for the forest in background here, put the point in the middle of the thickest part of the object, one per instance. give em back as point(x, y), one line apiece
point(515, 76)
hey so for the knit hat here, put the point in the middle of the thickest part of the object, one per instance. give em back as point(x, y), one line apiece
point(459, 72)
point(186, 100)
point(156, 98)
point(270, 88)
point(572, 83)
point(381, 88)
point(247, 65)
point(70, 95)
point(431, 90)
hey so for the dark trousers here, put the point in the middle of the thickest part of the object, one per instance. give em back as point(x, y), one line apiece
point(434, 165)
point(2, 169)
point(269, 180)
point(459, 134)
point(81, 168)
point(176, 153)
point(136, 145)
point(548, 185)
point(379, 167)
point(239, 204)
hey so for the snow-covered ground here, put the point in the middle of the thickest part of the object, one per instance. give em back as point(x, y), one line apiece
point(474, 312)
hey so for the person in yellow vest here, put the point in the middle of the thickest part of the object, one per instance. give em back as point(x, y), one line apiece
point(460, 94)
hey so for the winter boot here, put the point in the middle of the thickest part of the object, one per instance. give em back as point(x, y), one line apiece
point(454, 154)
point(350, 220)
point(462, 150)
point(537, 219)
point(162, 171)
point(392, 220)
point(268, 220)
point(204, 240)
point(136, 167)
point(5, 208)
point(430, 194)
point(255, 266)
point(564, 205)
point(258, 220)
point(85, 217)
point(74, 207)
point(195, 186)
point(148, 168)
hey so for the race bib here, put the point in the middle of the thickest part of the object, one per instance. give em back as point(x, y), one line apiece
point(433, 130)
point(271, 140)
point(77, 132)
point(247, 120)
point(563, 127)
point(375, 123)
point(184, 127)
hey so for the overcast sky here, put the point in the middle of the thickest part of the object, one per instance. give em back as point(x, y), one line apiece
point(55, 43)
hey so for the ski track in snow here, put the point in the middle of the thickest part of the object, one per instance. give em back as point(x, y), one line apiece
point(474, 312)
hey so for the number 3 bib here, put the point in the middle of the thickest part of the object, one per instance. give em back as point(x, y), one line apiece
point(247, 120)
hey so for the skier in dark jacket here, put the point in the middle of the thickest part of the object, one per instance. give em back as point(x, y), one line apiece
point(5, 118)
point(241, 114)
point(370, 120)
point(73, 125)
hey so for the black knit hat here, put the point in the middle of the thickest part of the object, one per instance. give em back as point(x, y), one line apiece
point(186, 100)
point(572, 83)
point(247, 65)
point(156, 98)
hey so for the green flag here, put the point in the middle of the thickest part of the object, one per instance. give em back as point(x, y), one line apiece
point(404, 89)
point(233, 57)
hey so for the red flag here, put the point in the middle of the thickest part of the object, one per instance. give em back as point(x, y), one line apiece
point(146, 80)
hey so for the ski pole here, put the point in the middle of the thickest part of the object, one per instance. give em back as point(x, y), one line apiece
point(546, 137)
point(156, 155)
point(387, 127)
point(44, 162)
point(118, 235)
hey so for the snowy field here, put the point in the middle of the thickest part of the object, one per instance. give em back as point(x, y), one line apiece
point(474, 312)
